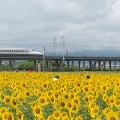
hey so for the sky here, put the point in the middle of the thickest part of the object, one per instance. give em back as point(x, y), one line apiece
point(60, 25)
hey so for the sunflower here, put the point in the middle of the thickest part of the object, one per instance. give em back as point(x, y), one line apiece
point(63, 114)
point(50, 117)
point(99, 118)
point(62, 103)
point(79, 118)
point(37, 110)
point(106, 110)
point(94, 111)
point(74, 107)
point(40, 118)
point(68, 105)
point(76, 100)
point(86, 99)
point(57, 114)
point(1, 96)
point(27, 93)
point(23, 85)
point(66, 118)
point(42, 100)
point(20, 115)
point(117, 103)
point(111, 101)
point(13, 102)
point(91, 105)
point(8, 116)
point(112, 116)
point(52, 99)
point(3, 110)
point(4, 116)
point(32, 104)
point(66, 96)
point(72, 114)
point(71, 95)
point(45, 85)
point(49, 93)
point(7, 99)
point(56, 94)
point(56, 105)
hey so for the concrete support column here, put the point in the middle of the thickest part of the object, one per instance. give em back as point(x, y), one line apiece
point(104, 65)
point(14, 64)
point(114, 65)
point(79, 65)
point(38, 66)
point(72, 65)
point(90, 65)
point(60, 65)
point(50, 65)
point(0, 65)
point(46, 65)
point(35, 68)
point(56, 65)
point(10, 64)
point(95, 65)
point(84, 65)
point(99, 65)
point(68, 65)
point(119, 65)
point(109, 65)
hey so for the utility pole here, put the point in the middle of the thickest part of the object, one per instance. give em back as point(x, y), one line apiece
point(63, 44)
point(54, 44)
point(44, 57)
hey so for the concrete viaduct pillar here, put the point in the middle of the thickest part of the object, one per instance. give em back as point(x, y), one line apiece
point(0, 65)
point(10, 64)
point(83, 65)
point(56, 63)
point(35, 67)
point(72, 65)
point(95, 65)
point(79, 65)
point(114, 65)
point(60, 65)
point(109, 65)
point(46, 65)
point(104, 65)
point(68, 65)
point(50, 65)
point(90, 65)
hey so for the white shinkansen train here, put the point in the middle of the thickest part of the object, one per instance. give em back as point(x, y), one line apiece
point(19, 51)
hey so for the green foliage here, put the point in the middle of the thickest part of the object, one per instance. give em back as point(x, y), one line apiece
point(31, 98)
point(110, 91)
point(10, 109)
point(26, 65)
point(83, 110)
point(27, 111)
point(47, 110)
point(99, 102)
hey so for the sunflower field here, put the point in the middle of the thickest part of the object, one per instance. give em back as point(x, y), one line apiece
point(36, 96)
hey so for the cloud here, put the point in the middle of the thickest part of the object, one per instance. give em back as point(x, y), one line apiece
point(91, 25)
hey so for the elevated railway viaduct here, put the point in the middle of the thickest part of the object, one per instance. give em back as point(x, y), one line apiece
point(82, 62)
